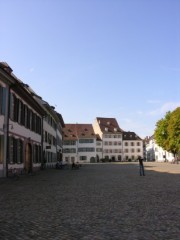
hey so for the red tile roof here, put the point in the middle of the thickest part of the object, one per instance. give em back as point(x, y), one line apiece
point(76, 131)
point(109, 125)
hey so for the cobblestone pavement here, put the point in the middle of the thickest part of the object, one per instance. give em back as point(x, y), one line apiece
point(96, 202)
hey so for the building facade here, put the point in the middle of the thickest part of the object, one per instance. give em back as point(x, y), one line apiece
point(132, 146)
point(157, 153)
point(110, 135)
point(52, 134)
point(79, 143)
point(20, 125)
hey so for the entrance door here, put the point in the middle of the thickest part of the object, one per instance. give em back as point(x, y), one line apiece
point(28, 158)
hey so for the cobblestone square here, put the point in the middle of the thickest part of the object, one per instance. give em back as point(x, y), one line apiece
point(97, 202)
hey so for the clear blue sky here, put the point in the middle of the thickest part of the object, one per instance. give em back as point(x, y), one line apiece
point(97, 58)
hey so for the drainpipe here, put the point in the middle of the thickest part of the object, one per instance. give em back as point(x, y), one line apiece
point(42, 140)
point(102, 146)
point(6, 132)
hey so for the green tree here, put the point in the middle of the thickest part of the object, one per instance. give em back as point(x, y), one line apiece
point(167, 132)
point(161, 131)
point(174, 132)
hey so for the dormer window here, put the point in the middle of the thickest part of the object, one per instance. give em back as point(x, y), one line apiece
point(108, 123)
point(115, 129)
point(106, 129)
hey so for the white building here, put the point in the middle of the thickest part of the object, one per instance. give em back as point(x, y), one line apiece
point(79, 143)
point(99, 148)
point(102, 141)
point(111, 136)
point(157, 153)
point(132, 146)
point(52, 134)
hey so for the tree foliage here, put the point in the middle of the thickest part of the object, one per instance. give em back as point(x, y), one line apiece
point(167, 132)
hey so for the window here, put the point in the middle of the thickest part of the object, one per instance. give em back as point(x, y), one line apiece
point(1, 148)
point(19, 151)
point(69, 150)
point(126, 143)
point(86, 149)
point(22, 121)
point(86, 140)
point(2, 100)
point(69, 142)
point(12, 106)
point(33, 124)
point(20, 112)
point(28, 118)
point(37, 154)
point(15, 150)
point(132, 144)
point(98, 143)
point(38, 125)
point(83, 158)
point(98, 149)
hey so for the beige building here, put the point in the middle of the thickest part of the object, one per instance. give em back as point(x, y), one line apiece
point(110, 134)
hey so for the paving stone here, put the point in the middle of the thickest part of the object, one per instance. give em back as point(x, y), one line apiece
point(107, 201)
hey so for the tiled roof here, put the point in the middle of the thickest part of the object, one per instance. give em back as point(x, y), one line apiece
point(109, 125)
point(130, 136)
point(77, 131)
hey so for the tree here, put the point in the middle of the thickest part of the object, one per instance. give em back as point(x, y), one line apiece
point(161, 131)
point(167, 132)
point(174, 132)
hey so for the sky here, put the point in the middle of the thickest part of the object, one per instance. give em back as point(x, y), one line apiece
point(97, 58)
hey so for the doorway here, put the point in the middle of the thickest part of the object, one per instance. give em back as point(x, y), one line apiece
point(28, 158)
